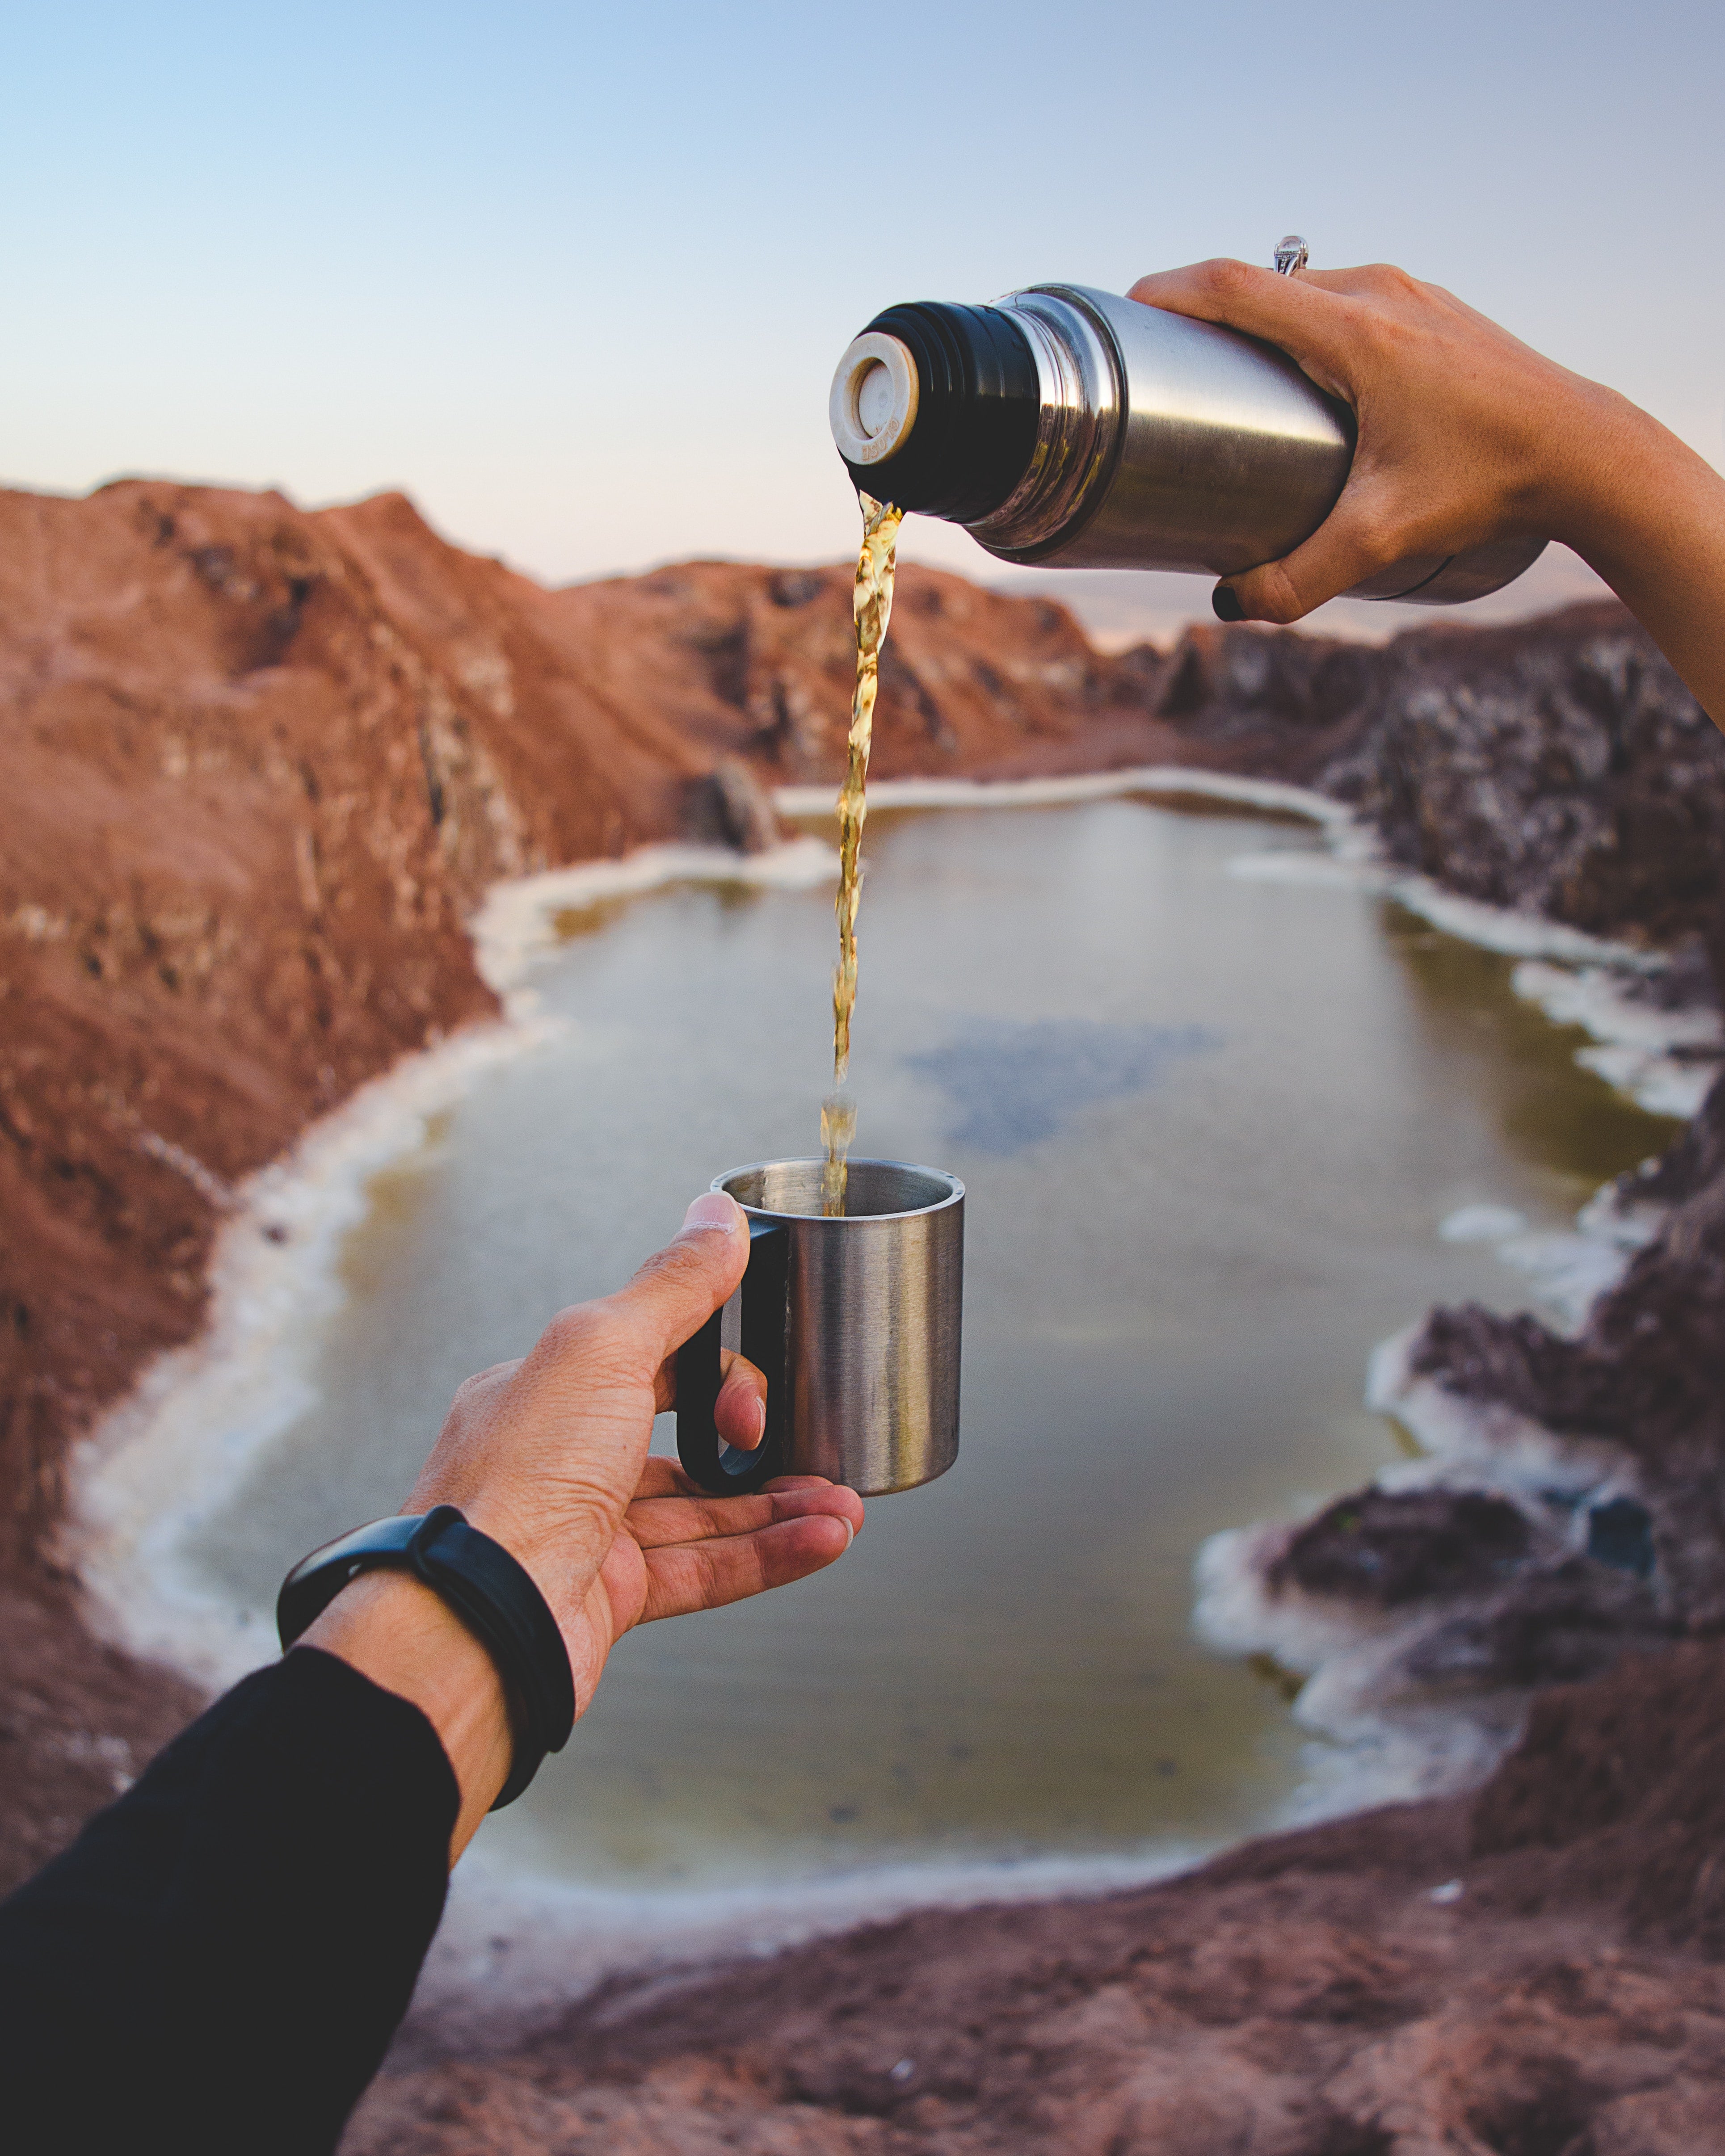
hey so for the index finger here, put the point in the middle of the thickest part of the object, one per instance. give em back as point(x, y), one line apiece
point(1305, 314)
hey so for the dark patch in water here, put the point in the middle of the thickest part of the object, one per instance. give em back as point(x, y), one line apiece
point(1621, 1534)
point(1016, 1084)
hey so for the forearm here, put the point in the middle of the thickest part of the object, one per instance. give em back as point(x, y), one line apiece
point(406, 1639)
point(1648, 514)
point(221, 1959)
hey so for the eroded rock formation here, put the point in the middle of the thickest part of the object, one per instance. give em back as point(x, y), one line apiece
point(1560, 768)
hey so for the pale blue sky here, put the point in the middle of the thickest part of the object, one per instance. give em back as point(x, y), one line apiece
point(577, 279)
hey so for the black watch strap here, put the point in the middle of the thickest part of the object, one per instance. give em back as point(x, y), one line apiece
point(493, 1595)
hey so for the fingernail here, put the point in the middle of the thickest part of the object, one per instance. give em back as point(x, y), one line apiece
point(713, 1208)
point(760, 1420)
point(1226, 604)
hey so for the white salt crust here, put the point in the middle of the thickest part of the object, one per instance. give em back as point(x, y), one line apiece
point(515, 1944)
point(516, 925)
point(1380, 1738)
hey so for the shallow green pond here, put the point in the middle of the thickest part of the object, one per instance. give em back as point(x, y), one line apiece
point(1210, 1124)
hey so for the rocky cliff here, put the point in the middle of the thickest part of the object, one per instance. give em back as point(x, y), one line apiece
point(259, 766)
point(1559, 766)
point(263, 763)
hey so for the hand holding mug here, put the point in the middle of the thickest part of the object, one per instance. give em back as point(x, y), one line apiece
point(549, 1455)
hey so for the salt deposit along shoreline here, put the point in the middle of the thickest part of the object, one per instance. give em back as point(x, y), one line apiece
point(515, 1943)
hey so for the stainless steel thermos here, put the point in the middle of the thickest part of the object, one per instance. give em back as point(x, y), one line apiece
point(854, 1321)
point(1074, 428)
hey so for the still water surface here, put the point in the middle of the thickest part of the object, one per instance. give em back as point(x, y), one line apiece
point(1208, 1124)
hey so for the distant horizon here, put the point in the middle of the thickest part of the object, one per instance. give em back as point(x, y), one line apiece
point(1116, 608)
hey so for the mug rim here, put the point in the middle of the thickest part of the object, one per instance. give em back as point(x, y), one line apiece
point(955, 1191)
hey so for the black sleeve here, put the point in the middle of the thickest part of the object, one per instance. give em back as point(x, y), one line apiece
point(217, 1964)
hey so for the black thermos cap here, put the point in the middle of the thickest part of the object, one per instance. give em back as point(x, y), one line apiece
point(977, 400)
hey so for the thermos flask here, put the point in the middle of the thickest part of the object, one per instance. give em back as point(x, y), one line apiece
point(1077, 429)
point(854, 1321)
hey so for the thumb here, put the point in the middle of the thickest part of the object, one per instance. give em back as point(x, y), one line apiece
point(1348, 546)
point(680, 1287)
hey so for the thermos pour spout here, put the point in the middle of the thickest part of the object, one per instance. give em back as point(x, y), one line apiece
point(873, 405)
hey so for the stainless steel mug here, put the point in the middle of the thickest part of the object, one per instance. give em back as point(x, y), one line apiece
point(854, 1321)
point(1074, 428)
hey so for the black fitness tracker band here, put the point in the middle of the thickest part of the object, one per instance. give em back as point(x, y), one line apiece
point(493, 1595)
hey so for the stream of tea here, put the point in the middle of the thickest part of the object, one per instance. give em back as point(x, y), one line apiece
point(871, 608)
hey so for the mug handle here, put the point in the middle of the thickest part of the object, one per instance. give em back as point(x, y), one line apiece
point(727, 1470)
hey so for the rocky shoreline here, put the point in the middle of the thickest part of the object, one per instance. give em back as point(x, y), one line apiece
point(264, 764)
